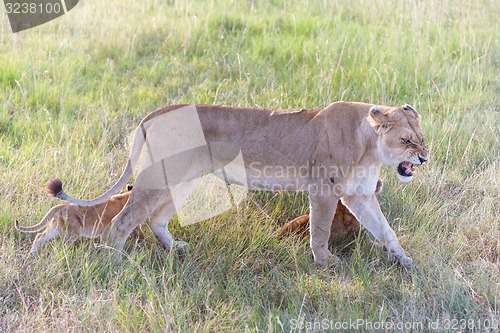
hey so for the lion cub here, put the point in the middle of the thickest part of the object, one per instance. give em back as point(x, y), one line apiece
point(343, 222)
point(73, 221)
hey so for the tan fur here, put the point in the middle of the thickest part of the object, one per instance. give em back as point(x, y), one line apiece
point(341, 147)
point(72, 221)
point(343, 222)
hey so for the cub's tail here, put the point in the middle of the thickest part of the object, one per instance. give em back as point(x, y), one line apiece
point(39, 226)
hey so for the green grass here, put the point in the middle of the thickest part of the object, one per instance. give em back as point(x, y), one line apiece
point(73, 90)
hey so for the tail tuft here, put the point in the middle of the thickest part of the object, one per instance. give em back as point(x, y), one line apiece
point(17, 224)
point(54, 187)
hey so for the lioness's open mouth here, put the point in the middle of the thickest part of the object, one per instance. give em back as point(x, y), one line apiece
point(405, 169)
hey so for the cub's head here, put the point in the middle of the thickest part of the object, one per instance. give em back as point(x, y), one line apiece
point(400, 138)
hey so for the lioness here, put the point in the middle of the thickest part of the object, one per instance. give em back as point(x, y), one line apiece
point(73, 221)
point(343, 222)
point(333, 153)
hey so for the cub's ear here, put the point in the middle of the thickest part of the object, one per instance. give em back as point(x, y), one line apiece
point(378, 120)
point(414, 112)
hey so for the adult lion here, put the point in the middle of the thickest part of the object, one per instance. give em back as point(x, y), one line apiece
point(333, 153)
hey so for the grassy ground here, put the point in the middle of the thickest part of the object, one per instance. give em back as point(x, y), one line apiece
point(73, 89)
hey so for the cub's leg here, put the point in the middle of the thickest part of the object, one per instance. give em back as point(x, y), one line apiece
point(323, 208)
point(367, 210)
point(71, 238)
point(51, 232)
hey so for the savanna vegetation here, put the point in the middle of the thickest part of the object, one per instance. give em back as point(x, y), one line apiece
point(72, 91)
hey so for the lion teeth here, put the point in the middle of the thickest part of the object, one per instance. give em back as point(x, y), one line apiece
point(408, 168)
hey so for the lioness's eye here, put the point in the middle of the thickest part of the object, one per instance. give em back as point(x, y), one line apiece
point(406, 141)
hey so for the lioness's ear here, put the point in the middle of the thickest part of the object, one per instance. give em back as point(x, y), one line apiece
point(414, 112)
point(375, 116)
point(378, 120)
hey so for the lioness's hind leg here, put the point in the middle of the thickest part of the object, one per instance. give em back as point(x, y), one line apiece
point(138, 208)
point(165, 211)
point(159, 225)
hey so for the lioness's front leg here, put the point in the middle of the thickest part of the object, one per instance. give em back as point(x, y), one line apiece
point(367, 210)
point(323, 208)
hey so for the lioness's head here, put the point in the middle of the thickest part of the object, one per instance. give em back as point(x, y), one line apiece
point(400, 138)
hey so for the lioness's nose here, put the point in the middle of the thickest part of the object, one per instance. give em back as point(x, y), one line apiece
point(422, 159)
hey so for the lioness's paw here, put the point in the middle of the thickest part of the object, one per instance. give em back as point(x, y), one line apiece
point(403, 259)
point(331, 260)
point(406, 261)
point(182, 247)
point(325, 258)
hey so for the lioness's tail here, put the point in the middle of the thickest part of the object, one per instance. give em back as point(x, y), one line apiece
point(54, 187)
point(297, 225)
point(39, 226)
